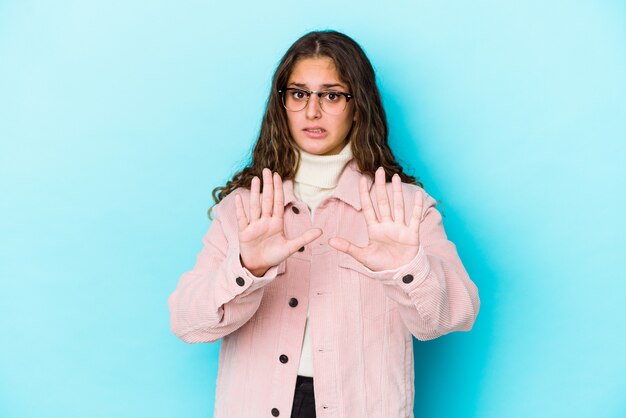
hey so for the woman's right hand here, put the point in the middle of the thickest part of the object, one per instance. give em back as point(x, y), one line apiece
point(262, 241)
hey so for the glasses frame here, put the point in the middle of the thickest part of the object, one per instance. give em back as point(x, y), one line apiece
point(319, 93)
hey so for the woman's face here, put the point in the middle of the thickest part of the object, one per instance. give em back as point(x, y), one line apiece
point(319, 74)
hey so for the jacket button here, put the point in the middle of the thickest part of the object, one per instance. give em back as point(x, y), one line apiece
point(275, 412)
point(301, 249)
point(408, 278)
point(283, 358)
point(293, 302)
point(295, 210)
point(240, 281)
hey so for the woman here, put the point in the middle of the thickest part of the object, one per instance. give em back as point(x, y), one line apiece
point(318, 284)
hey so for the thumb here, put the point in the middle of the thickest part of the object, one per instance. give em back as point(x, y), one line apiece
point(347, 247)
point(311, 235)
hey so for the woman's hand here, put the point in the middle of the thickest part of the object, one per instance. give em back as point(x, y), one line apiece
point(262, 241)
point(392, 243)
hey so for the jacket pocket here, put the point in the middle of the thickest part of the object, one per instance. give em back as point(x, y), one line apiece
point(373, 300)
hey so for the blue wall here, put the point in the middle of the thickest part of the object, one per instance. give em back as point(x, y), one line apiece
point(118, 118)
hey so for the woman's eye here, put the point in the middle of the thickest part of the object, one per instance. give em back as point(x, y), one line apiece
point(333, 97)
point(298, 94)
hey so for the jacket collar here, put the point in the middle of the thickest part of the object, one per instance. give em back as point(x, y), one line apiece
point(347, 188)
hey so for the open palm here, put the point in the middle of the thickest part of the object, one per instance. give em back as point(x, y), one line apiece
point(392, 243)
point(262, 241)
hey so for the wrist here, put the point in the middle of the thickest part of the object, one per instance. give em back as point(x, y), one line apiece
point(258, 271)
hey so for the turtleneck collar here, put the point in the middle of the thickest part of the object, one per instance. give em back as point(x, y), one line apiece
point(322, 171)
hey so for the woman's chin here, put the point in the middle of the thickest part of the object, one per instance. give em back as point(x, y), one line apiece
point(318, 147)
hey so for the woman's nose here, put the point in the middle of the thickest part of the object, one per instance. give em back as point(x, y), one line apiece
point(313, 109)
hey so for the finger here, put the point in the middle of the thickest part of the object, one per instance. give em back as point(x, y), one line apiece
point(346, 246)
point(242, 220)
point(366, 203)
point(295, 244)
point(398, 199)
point(255, 209)
point(268, 193)
point(416, 216)
point(381, 196)
point(279, 198)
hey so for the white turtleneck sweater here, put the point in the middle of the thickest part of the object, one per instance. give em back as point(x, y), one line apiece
point(316, 179)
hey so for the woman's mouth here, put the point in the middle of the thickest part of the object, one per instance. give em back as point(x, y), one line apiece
point(315, 132)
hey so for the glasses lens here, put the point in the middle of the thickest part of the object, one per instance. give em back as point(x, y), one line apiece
point(294, 99)
point(333, 103)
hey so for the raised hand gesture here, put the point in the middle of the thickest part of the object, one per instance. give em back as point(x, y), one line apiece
point(262, 241)
point(392, 243)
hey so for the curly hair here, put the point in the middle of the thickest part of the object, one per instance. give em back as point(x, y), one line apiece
point(276, 149)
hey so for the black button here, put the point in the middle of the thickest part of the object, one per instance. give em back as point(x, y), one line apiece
point(283, 358)
point(293, 302)
point(240, 281)
point(295, 210)
point(275, 412)
point(408, 278)
point(301, 249)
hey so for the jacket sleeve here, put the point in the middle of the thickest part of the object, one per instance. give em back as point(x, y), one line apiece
point(218, 295)
point(434, 292)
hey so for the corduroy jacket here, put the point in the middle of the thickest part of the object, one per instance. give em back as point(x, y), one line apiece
point(361, 321)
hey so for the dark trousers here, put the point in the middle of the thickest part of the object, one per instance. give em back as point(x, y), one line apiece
point(304, 399)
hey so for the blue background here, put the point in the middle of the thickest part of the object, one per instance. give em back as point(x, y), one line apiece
point(118, 118)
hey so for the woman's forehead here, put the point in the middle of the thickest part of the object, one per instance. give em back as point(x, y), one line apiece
point(315, 73)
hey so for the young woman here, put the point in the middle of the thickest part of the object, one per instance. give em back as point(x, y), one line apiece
point(317, 281)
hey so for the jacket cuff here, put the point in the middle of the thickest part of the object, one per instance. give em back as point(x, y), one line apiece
point(240, 280)
point(408, 276)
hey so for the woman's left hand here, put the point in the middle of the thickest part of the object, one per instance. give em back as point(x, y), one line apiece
point(392, 243)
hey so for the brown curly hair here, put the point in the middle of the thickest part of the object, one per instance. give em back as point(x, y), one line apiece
point(276, 149)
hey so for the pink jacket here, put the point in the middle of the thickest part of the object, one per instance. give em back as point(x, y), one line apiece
point(362, 322)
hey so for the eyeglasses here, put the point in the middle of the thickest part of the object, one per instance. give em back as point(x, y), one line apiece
point(331, 102)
